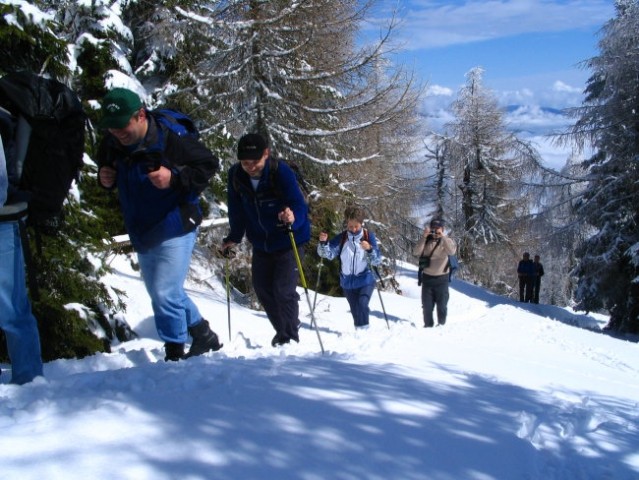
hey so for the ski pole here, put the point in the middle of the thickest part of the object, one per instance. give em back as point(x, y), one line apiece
point(227, 253)
point(303, 280)
point(374, 269)
point(319, 272)
point(228, 294)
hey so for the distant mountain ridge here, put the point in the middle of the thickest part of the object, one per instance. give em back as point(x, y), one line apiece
point(549, 110)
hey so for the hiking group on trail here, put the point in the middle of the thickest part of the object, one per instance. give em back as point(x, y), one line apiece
point(159, 167)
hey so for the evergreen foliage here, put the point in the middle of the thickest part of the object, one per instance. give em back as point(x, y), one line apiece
point(608, 260)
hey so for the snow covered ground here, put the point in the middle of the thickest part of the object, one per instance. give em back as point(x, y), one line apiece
point(503, 391)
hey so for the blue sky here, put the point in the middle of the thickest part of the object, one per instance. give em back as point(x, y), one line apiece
point(530, 49)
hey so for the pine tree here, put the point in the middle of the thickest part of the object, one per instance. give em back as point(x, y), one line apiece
point(489, 165)
point(608, 260)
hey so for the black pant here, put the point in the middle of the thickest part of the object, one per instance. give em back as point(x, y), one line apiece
point(275, 278)
point(435, 293)
point(536, 286)
point(525, 289)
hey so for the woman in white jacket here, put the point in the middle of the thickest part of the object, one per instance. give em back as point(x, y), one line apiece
point(357, 250)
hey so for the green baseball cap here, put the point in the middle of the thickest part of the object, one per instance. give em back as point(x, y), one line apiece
point(118, 106)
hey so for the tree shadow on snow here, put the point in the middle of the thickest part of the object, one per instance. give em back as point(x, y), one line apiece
point(308, 418)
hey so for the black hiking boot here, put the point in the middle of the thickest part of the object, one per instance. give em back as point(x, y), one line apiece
point(204, 340)
point(173, 351)
point(295, 331)
point(280, 339)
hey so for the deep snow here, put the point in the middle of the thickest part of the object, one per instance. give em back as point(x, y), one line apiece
point(503, 391)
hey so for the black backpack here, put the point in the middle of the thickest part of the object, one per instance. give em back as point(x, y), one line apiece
point(43, 135)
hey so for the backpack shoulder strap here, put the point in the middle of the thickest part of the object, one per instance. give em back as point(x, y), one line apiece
point(342, 242)
point(273, 165)
point(433, 250)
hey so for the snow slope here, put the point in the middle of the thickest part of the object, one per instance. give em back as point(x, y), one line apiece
point(503, 391)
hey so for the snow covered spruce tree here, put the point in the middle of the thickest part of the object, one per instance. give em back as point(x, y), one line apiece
point(488, 164)
point(608, 268)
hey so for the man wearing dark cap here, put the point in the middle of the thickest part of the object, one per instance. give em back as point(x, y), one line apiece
point(264, 199)
point(159, 176)
point(433, 250)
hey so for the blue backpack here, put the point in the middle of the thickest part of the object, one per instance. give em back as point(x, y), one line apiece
point(178, 122)
point(453, 265)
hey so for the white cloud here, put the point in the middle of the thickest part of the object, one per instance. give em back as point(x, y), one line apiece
point(431, 24)
point(438, 90)
point(560, 86)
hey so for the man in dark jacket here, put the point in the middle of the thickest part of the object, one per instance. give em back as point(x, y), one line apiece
point(539, 272)
point(264, 200)
point(526, 274)
point(159, 176)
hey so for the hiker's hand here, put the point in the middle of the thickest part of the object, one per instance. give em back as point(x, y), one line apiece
point(227, 252)
point(323, 237)
point(426, 231)
point(365, 245)
point(107, 176)
point(227, 246)
point(286, 216)
point(160, 178)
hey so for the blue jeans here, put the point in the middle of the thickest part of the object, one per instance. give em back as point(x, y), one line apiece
point(16, 319)
point(358, 299)
point(164, 268)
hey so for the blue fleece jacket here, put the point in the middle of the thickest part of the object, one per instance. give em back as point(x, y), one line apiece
point(253, 212)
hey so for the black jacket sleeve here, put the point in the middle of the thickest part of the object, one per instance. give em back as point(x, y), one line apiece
point(194, 164)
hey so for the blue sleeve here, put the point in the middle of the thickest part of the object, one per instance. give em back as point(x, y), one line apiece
point(292, 196)
point(331, 249)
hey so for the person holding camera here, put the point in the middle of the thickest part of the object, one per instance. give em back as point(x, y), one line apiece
point(433, 250)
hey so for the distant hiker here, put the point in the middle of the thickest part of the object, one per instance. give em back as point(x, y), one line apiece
point(526, 274)
point(539, 272)
point(357, 250)
point(433, 250)
point(16, 319)
point(262, 205)
point(159, 176)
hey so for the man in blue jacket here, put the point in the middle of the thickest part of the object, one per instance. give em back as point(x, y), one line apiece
point(264, 200)
point(159, 176)
point(526, 273)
